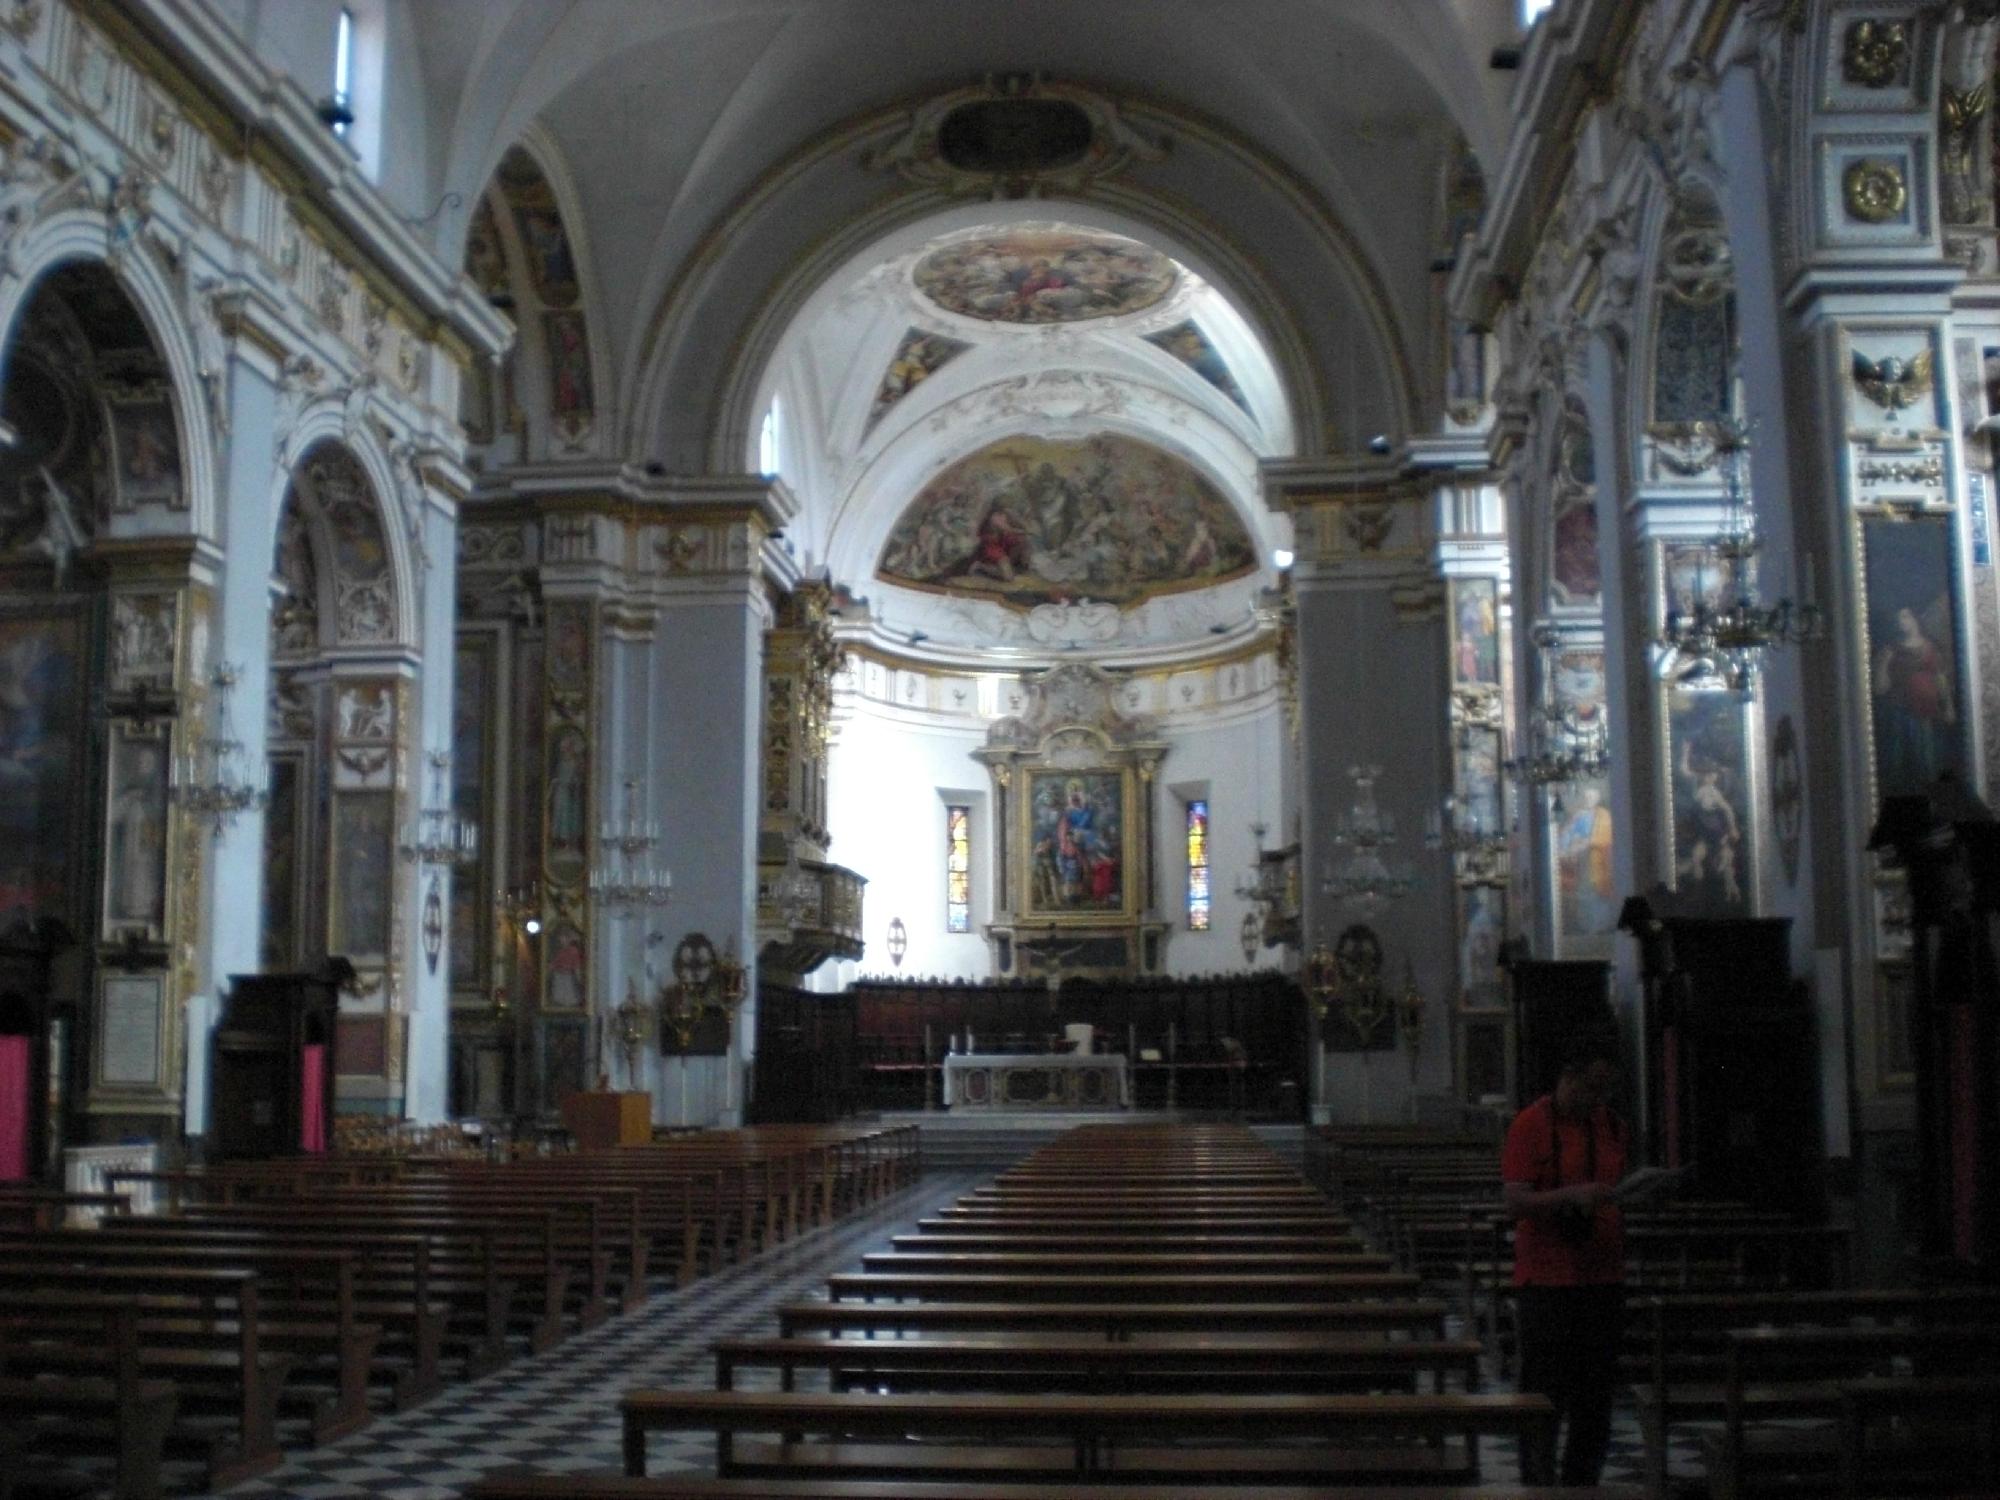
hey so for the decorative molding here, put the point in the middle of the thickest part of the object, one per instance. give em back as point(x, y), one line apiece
point(1874, 190)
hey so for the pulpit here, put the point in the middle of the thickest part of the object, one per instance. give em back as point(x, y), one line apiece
point(271, 1077)
point(603, 1119)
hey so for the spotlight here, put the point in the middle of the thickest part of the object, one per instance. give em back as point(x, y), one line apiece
point(1379, 444)
point(532, 926)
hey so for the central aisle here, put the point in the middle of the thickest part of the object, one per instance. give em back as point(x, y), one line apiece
point(559, 1411)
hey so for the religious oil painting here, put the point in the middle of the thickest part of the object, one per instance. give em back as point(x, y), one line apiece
point(1575, 574)
point(565, 1043)
point(918, 357)
point(1029, 521)
point(1475, 654)
point(1476, 793)
point(569, 364)
point(41, 676)
point(1187, 343)
point(1913, 677)
point(538, 221)
point(363, 872)
point(1045, 274)
point(135, 869)
point(1482, 927)
point(471, 691)
point(1696, 575)
point(1076, 842)
point(1707, 746)
point(568, 793)
point(148, 453)
point(279, 943)
point(1693, 357)
point(1587, 896)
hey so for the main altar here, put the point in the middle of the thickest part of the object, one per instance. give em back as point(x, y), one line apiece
point(1055, 1080)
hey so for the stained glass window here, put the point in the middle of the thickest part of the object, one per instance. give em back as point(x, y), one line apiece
point(957, 868)
point(1197, 855)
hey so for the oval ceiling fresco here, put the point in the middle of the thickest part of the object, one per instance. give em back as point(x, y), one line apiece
point(1045, 275)
point(1030, 521)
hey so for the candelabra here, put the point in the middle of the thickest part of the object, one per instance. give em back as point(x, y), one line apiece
point(1724, 638)
point(1483, 849)
point(1364, 877)
point(441, 837)
point(209, 781)
point(625, 877)
point(1565, 741)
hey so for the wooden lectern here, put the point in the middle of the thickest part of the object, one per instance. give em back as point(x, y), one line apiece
point(599, 1121)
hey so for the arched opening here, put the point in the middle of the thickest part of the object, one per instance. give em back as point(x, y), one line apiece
point(99, 644)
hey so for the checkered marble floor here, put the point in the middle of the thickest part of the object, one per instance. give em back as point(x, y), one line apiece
point(559, 1412)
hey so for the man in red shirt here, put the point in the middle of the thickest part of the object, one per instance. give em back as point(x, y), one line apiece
point(1564, 1154)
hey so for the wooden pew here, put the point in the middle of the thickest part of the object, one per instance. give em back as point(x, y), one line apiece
point(1265, 1363)
point(234, 1375)
point(1687, 1338)
point(1783, 1394)
point(309, 1307)
point(1095, 1436)
point(1191, 1287)
point(620, 1487)
point(1245, 1262)
point(1424, 1318)
point(136, 1412)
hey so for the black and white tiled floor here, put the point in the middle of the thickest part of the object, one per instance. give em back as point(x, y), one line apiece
point(559, 1412)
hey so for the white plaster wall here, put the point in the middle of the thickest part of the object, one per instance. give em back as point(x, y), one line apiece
point(892, 773)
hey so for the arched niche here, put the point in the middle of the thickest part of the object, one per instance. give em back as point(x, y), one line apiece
point(104, 670)
point(340, 721)
point(545, 396)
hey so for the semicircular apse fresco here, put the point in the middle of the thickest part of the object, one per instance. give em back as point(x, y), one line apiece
point(1028, 521)
point(1045, 275)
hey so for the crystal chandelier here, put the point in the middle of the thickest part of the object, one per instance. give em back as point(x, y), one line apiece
point(1564, 742)
point(1722, 638)
point(209, 781)
point(625, 877)
point(1363, 876)
point(442, 837)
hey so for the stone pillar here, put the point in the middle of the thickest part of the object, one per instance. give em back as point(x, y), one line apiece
point(1372, 674)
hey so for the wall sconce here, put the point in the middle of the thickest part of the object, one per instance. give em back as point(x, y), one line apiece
point(899, 941)
point(1251, 934)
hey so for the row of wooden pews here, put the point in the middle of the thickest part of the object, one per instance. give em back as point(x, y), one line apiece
point(1743, 1333)
point(1141, 1312)
point(293, 1300)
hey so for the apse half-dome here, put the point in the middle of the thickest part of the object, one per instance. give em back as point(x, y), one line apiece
point(1030, 520)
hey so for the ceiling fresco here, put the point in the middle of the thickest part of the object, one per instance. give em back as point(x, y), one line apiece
point(1038, 274)
point(1029, 521)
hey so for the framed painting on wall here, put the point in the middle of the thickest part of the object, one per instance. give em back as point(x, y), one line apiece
point(1582, 836)
point(1709, 788)
point(1079, 862)
point(1915, 695)
point(43, 664)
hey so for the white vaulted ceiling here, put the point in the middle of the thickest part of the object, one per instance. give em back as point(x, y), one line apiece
point(704, 141)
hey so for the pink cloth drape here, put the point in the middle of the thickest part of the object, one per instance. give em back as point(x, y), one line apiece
point(14, 1108)
point(312, 1099)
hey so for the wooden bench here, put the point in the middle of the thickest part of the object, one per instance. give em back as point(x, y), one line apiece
point(1264, 1363)
point(134, 1411)
point(1920, 1458)
point(1782, 1376)
point(677, 1487)
point(1687, 1341)
point(308, 1309)
point(1084, 1438)
point(232, 1375)
point(1136, 1287)
point(1424, 1318)
point(1243, 1262)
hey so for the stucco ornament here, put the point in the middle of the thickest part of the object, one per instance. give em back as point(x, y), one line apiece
point(1874, 190)
point(1875, 53)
